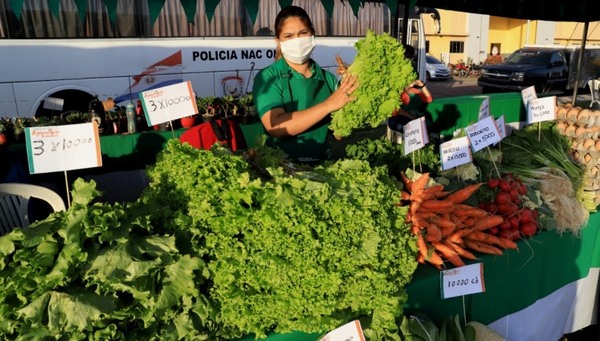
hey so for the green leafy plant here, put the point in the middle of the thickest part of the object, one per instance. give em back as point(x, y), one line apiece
point(382, 72)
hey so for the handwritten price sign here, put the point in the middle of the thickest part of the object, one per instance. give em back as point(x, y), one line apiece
point(483, 133)
point(415, 135)
point(528, 94)
point(350, 331)
point(541, 109)
point(455, 152)
point(60, 148)
point(464, 280)
point(169, 103)
point(484, 109)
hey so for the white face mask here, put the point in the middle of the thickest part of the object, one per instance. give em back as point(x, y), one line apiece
point(298, 50)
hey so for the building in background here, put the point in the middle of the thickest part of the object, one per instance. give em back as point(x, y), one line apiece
point(470, 37)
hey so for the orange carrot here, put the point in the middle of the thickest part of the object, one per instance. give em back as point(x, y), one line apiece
point(443, 223)
point(461, 251)
point(463, 194)
point(419, 221)
point(482, 247)
point(487, 238)
point(449, 254)
point(434, 234)
point(435, 259)
point(437, 204)
point(488, 222)
point(422, 246)
point(404, 195)
point(461, 210)
point(428, 193)
point(406, 181)
point(419, 184)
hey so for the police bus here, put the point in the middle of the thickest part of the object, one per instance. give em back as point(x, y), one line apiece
point(57, 55)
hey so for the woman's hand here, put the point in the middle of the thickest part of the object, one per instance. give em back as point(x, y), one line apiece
point(343, 94)
point(417, 84)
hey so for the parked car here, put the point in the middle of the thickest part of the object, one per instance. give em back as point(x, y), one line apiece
point(548, 68)
point(436, 69)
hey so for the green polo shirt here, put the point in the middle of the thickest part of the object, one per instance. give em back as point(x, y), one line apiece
point(279, 86)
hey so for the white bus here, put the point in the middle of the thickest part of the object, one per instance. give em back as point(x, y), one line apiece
point(57, 55)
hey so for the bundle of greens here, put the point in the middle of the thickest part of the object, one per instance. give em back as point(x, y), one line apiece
point(306, 250)
point(214, 251)
point(382, 72)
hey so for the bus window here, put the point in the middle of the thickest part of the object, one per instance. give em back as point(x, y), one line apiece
point(139, 45)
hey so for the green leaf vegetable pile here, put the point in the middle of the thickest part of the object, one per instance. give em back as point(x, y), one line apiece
point(382, 72)
point(212, 251)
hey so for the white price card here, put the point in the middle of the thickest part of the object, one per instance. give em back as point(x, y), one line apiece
point(455, 152)
point(415, 135)
point(484, 109)
point(464, 280)
point(351, 331)
point(169, 103)
point(483, 133)
point(541, 109)
point(501, 126)
point(528, 94)
point(61, 148)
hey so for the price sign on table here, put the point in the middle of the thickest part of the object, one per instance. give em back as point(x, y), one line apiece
point(528, 94)
point(464, 280)
point(483, 133)
point(169, 103)
point(415, 135)
point(455, 152)
point(484, 109)
point(541, 109)
point(350, 331)
point(61, 148)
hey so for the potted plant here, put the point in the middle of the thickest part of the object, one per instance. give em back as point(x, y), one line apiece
point(3, 128)
point(247, 108)
point(18, 127)
point(208, 107)
point(188, 121)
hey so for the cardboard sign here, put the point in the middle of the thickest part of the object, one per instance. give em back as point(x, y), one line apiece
point(541, 109)
point(351, 331)
point(483, 133)
point(501, 126)
point(415, 135)
point(61, 148)
point(484, 109)
point(455, 152)
point(528, 94)
point(169, 103)
point(464, 280)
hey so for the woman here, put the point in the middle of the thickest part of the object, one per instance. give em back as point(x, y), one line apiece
point(294, 96)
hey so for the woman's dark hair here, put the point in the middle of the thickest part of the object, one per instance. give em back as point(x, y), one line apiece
point(292, 11)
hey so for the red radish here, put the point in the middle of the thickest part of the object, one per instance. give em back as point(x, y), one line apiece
point(503, 209)
point(502, 198)
point(528, 229)
point(522, 189)
point(514, 194)
point(526, 216)
point(493, 183)
point(493, 230)
point(505, 225)
point(504, 186)
point(514, 222)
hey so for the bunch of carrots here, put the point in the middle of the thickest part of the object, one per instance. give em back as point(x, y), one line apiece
point(447, 228)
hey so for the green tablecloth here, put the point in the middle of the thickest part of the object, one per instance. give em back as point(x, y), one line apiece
point(452, 113)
